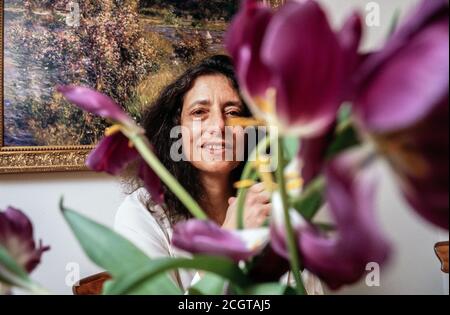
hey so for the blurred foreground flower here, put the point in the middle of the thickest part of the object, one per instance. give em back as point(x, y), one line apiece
point(206, 237)
point(399, 94)
point(342, 258)
point(16, 236)
point(401, 102)
point(292, 77)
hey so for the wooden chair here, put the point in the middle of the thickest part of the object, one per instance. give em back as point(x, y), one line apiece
point(441, 250)
point(91, 285)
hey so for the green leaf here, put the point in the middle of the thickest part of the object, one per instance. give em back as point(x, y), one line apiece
point(394, 22)
point(114, 253)
point(137, 281)
point(11, 272)
point(149, 287)
point(290, 291)
point(311, 199)
point(271, 288)
point(325, 227)
point(346, 137)
point(210, 284)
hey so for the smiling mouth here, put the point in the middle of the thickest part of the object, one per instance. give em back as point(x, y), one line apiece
point(216, 147)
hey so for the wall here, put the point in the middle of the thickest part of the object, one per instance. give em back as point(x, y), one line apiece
point(413, 270)
point(95, 195)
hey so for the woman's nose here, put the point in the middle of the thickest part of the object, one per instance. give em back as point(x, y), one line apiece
point(216, 122)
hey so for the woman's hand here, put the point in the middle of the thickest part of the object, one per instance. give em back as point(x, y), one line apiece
point(257, 208)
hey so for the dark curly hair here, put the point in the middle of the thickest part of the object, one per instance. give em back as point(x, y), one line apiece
point(165, 113)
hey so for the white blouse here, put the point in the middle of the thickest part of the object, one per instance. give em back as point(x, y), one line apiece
point(151, 232)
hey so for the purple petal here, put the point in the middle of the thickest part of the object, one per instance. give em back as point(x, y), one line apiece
point(312, 154)
point(95, 102)
point(278, 240)
point(112, 154)
point(342, 258)
point(34, 258)
point(16, 235)
point(307, 64)
point(206, 237)
point(243, 41)
point(350, 194)
point(350, 36)
point(420, 157)
point(399, 85)
point(19, 223)
point(152, 182)
point(350, 39)
point(278, 225)
point(268, 266)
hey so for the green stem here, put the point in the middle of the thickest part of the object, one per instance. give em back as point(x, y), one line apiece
point(143, 147)
point(311, 199)
point(248, 173)
point(291, 242)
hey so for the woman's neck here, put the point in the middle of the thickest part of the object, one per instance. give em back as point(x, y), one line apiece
point(218, 190)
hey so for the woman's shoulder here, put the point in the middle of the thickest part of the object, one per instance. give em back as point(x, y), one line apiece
point(139, 213)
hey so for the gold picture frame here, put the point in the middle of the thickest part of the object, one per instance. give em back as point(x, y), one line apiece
point(31, 159)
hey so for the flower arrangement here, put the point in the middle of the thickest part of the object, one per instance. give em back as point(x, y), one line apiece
point(343, 108)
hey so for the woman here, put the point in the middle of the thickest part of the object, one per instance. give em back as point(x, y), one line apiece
point(200, 101)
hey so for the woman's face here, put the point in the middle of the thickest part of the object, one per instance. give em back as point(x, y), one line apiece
point(206, 107)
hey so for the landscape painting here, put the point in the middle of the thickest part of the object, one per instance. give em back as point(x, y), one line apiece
point(127, 49)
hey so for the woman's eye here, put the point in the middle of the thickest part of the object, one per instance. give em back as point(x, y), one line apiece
point(234, 113)
point(198, 112)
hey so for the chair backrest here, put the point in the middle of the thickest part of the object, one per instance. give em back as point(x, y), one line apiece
point(91, 285)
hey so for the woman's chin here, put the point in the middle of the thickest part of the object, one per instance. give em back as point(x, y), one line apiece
point(216, 167)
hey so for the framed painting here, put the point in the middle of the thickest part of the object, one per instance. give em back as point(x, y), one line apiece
point(127, 49)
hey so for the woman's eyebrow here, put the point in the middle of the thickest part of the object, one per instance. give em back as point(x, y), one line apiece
point(207, 102)
point(232, 103)
point(200, 102)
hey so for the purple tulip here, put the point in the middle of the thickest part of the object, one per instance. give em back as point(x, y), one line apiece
point(113, 153)
point(419, 156)
point(245, 46)
point(205, 237)
point(151, 181)
point(307, 69)
point(340, 259)
point(16, 236)
point(96, 103)
point(312, 154)
point(403, 82)
point(402, 101)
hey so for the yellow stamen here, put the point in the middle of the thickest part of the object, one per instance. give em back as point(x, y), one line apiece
point(294, 184)
point(267, 103)
point(291, 175)
point(262, 162)
point(267, 179)
point(246, 183)
point(113, 129)
point(245, 122)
